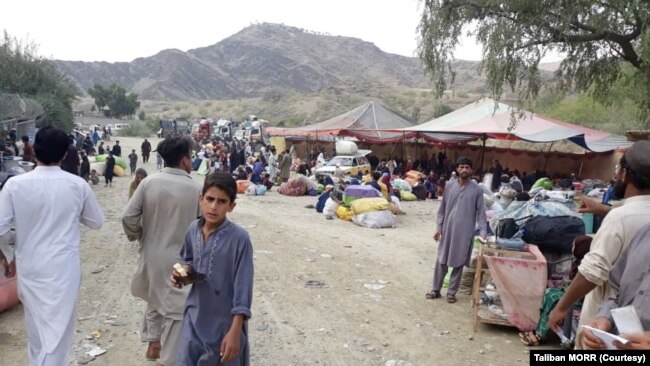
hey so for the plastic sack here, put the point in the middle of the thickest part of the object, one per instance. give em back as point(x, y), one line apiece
point(118, 160)
point(401, 184)
point(118, 171)
point(407, 196)
point(260, 190)
point(375, 219)
point(545, 183)
point(346, 147)
point(355, 192)
point(242, 185)
point(294, 187)
point(363, 205)
point(99, 167)
point(250, 190)
point(344, 213)
point(395, 207)
point(330, 208)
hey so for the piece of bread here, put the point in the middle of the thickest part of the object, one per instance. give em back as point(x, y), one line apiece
point(180, 269)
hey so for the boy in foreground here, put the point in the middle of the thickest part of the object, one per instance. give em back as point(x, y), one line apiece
point(218, 257)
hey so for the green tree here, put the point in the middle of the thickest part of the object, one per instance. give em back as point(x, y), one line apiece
point(101, 96)
point(597, 39)
point(23, 72)
point(441, 109)
point(115, 98)
point(141, 115)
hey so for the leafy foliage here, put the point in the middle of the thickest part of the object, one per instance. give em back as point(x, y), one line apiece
point(23, 72)
point(597, 38)
point(115, 98)
point(136, 129)
point(617, 116)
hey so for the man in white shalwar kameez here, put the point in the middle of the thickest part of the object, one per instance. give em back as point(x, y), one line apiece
point(158, 215)
point(46, 207)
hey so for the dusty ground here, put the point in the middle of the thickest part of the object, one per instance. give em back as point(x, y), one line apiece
point(343, 323)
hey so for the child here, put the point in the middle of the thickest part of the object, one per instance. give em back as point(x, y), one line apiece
point(133, 161)
point(93, 177)
point(266, 181)
point(219, 262)
point(140, 174)
point(159, 160)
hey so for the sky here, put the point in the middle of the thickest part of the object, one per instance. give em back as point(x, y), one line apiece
point(120, 30)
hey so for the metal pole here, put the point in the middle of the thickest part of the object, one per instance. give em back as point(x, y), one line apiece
point(483, 153)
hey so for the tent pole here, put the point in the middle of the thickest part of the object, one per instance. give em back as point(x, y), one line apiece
point(548, 154)
point(582, 162)
point(483, 153)
point(403, 145)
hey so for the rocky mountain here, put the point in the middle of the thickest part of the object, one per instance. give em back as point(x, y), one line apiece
point(262, 60)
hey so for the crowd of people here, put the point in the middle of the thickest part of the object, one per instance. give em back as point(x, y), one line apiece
point(183, 325)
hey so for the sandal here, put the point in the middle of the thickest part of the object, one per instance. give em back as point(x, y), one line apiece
point(432, 295)
point(451, 299)
point(530, 338)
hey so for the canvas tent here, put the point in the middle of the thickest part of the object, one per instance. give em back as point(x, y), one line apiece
point(20, 114)
point(487, 118)
point(370, 122)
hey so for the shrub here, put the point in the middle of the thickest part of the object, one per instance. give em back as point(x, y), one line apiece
point(136, 129)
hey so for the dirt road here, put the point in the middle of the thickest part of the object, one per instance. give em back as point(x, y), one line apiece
point(345, 322)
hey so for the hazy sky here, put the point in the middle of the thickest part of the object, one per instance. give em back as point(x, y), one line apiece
point(121, 30)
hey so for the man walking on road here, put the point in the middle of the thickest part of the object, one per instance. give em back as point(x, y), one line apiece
point(146, 150)
point(461, 209)
point(117, 149)
point(47, 240)
point(158, 215)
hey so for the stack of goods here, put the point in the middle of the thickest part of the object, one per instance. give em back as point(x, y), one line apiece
point(372, 213)
point(405, 189)
point(354, 192)
point(120, 165)
point(294, 187)
point(413, 176)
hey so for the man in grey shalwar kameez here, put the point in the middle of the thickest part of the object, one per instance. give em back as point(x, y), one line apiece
point(461, 209)
point(158, 215)
point(285, 166)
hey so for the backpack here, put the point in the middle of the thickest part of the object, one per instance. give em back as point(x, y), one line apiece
point(508, 227)
point(553, 233)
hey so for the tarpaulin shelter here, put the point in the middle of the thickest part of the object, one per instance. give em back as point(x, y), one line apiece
point(370, 122)
point(20, 114)
point(487, 118)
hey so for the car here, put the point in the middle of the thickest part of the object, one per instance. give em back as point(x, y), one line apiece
point(351, 165)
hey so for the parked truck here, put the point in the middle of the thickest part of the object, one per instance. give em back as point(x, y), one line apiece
point(203, 129)
point(174, 127)
point(254, 130)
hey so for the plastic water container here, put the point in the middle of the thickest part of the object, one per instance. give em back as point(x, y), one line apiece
point(588, 219)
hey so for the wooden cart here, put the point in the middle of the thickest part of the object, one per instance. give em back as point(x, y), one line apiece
point(480, 313)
